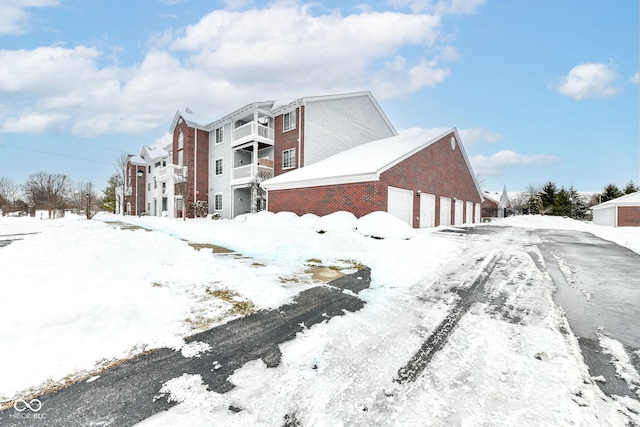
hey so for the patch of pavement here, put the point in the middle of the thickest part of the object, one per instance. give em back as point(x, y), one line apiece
point(128, 393)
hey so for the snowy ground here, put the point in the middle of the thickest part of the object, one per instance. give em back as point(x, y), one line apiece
point(80, 294)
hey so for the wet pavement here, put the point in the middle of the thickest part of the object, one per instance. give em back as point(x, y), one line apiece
point(129, 392)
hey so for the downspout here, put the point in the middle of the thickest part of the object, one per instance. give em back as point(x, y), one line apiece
point(195, 170)
point(300, 137)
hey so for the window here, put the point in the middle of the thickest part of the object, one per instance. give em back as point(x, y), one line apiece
point(180, 158)
point(217, 202)
point(288, 121)
point(158, 164)
point(218, 166)
point(219, 135)
point(149, 168)
point(148, 186)
point(289, 158)
point(180, 141)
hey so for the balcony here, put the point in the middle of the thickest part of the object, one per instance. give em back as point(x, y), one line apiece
point(170, 173)
point(246, 174)
point(251, 131)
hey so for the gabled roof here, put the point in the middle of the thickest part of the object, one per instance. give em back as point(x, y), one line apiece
point(188, 116)
point(632, 199)
point(280, 107)
point(365, 162)
point(137, 160)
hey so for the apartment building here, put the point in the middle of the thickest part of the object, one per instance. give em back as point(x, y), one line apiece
point(222, 162)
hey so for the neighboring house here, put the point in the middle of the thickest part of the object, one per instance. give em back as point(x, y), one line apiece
point(621, 212)
point(495, 205)
point(423, 179)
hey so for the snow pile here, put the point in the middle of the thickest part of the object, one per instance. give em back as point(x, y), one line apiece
point(383, 225)
point(621, 361)
point(336, 222)
point(195, 349)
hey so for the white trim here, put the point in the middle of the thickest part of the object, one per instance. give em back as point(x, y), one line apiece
point(215, 167)
point(284, 157)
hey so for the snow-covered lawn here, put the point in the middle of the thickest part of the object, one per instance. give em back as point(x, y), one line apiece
point(80, 293)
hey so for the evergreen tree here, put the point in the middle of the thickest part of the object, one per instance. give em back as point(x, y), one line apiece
point(579, 209)
point(561, 203)
point(109, 199)
point(610, 192)
point(547, 196)
point(631, 188)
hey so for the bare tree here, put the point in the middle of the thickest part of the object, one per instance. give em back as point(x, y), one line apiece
point(181, 184)
point(122, 163)
point(84, 199)
point(47, 191)
point(9, 191)
point(258, 194)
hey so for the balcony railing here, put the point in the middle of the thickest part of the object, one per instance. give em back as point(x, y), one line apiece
point(171, 173)
point(252, 129)
point(248, 172)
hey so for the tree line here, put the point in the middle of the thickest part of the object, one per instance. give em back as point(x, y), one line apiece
point(51, 192)
point(551, 200)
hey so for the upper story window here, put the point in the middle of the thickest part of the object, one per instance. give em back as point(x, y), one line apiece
point(288, 121)
point(218, 166)
point(219, 135)
point(180, 141)
point(180, 159)
point(289, 158)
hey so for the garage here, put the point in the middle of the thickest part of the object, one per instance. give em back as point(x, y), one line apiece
point(400, 204)
point(427, 210)
point(445, 210)
point(621, 212)
point(459, 206)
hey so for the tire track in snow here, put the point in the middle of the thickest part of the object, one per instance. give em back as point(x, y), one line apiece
point(436, 341)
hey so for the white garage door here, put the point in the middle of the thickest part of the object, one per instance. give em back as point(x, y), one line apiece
point(400, 204)
point(445, 211)
point(427, 210)
point(605, 216)
point(468, 213)
point(458, 212)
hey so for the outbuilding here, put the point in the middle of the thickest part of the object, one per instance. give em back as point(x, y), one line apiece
point(422, 177)
point(621, 212)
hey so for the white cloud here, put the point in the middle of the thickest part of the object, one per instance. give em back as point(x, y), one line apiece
point(589, 80)
point(439, 6)
point(635, 78)
point(496, 163)
point(474, 135)
point(14, 14)
point(225, 60)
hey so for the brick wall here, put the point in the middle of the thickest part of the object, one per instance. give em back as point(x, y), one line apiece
point(359, 199)
point(628, 216)
point(188, 160)
point(436, 169)
point(287, 140)
point(137, 205)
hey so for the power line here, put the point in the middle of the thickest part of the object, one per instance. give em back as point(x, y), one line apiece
point(57, 154)
point(87, 144)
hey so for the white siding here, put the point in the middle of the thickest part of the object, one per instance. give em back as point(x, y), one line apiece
point(605, 216)
point(335, 125)
point(220, 183)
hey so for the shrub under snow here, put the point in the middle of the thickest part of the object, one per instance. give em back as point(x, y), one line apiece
point(337, 221)
point(383, 225)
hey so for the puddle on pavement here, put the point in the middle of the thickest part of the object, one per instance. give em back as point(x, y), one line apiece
point(323, 274)
point(125, 226)
point(214, 248)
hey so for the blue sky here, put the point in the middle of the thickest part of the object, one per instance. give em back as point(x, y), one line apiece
point(540, 91)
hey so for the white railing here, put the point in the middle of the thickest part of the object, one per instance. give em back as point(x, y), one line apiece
point(249, 171)
point(171, 172)
point(252, 128)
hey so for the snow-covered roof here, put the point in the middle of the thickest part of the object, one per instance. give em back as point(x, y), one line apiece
point(190, 117)
point(632, 199)
point(137, 160)
point(154, 151)
point(362, 163)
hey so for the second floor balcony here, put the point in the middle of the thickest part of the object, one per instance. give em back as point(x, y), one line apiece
point(246, 174)
point(171, 173)
point(251, 131)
